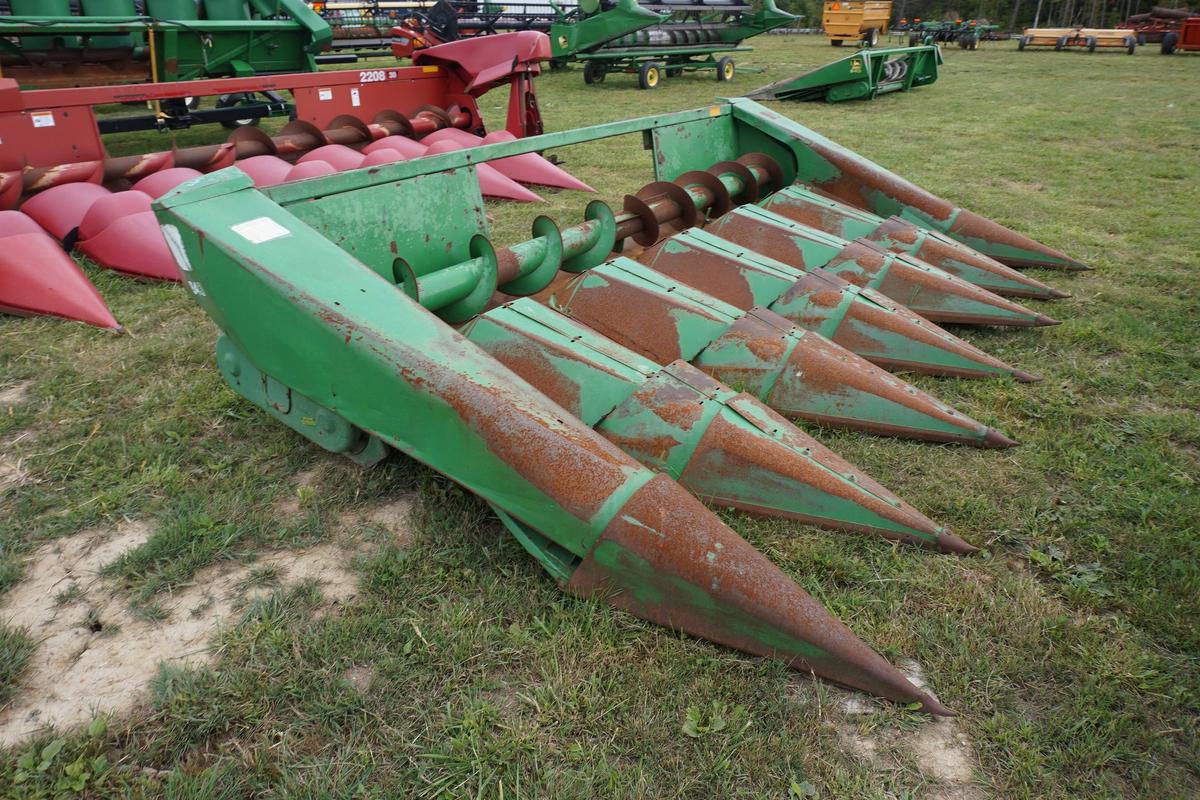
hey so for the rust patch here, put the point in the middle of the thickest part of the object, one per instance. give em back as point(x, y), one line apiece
point(859, 180)
point(821, 368)
point(508, 266)
point(762, 238)
point(663, 539)
point(708, 272)
point(638, 319)
point(898, 229)
point(971, 225)
point(531, 363)
point(728, 453)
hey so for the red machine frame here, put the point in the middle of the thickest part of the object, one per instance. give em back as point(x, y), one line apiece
point(444, 83)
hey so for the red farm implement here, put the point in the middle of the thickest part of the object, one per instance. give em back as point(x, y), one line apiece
point(1153, 26)
point(55, 168)
point(1186, 39)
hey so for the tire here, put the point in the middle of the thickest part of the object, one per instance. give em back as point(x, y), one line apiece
point(177, 106)
point(1061, 43)
point(593, 72)
point(835, 42)
point(1130, 45)
point(1091, 44)
point(1024, 40)
point(973, 42)
point(674, 72)
point(231, 100)
point(1170, 39)
point(725, 69)
point(914, 39)
point(871, 37)
point(649, 75)
point(1141, 38)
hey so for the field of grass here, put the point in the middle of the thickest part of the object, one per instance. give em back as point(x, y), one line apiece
point(1070, 647)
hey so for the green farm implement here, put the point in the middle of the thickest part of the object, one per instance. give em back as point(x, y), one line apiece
point(863, 75)
point(692, 37)
point(967, 33)
point(595, 382)
point(43, 45)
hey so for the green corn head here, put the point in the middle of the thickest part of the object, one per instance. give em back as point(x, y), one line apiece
point(863, 75)
point(591, 398)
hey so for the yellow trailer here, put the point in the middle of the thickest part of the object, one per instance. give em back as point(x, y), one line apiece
point(856, 20)
point(1090, 38)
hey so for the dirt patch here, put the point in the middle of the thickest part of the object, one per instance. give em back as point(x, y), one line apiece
point(1018, 186)
point(95, 656)
point(14, 395)
point(292, 506)
point(12, 474)
point(942, 752)
point(1189, 450)
point(396, 517)
point(359, 677)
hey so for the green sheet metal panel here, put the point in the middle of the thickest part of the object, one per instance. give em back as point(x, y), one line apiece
point(693, 145)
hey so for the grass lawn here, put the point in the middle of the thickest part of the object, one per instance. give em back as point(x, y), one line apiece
point(1070, 647)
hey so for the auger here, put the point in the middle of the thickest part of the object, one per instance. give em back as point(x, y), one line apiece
point(587, 397)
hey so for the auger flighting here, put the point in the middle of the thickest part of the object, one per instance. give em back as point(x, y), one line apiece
point(370, 308)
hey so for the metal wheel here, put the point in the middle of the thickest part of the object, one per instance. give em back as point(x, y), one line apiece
point(593, 72)
point(871, 37)
point(725, 69)
point(649, 75)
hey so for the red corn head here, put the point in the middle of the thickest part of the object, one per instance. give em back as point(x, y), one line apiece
point(491, 181)
point(61, 209)
point(265, 170)
point(160, 183)
point(38, 278)
point(309, 169)
point(119, 231)
point(337, 156)
point(525, 168)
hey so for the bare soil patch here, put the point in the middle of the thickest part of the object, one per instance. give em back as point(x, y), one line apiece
point(14, 395)
point(97, 657)
point(942, 751)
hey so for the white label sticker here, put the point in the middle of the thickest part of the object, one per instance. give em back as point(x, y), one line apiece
point(262, 229)
point(354, 99)
point(324, 94)
point(42, 119)
point(175, 245)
